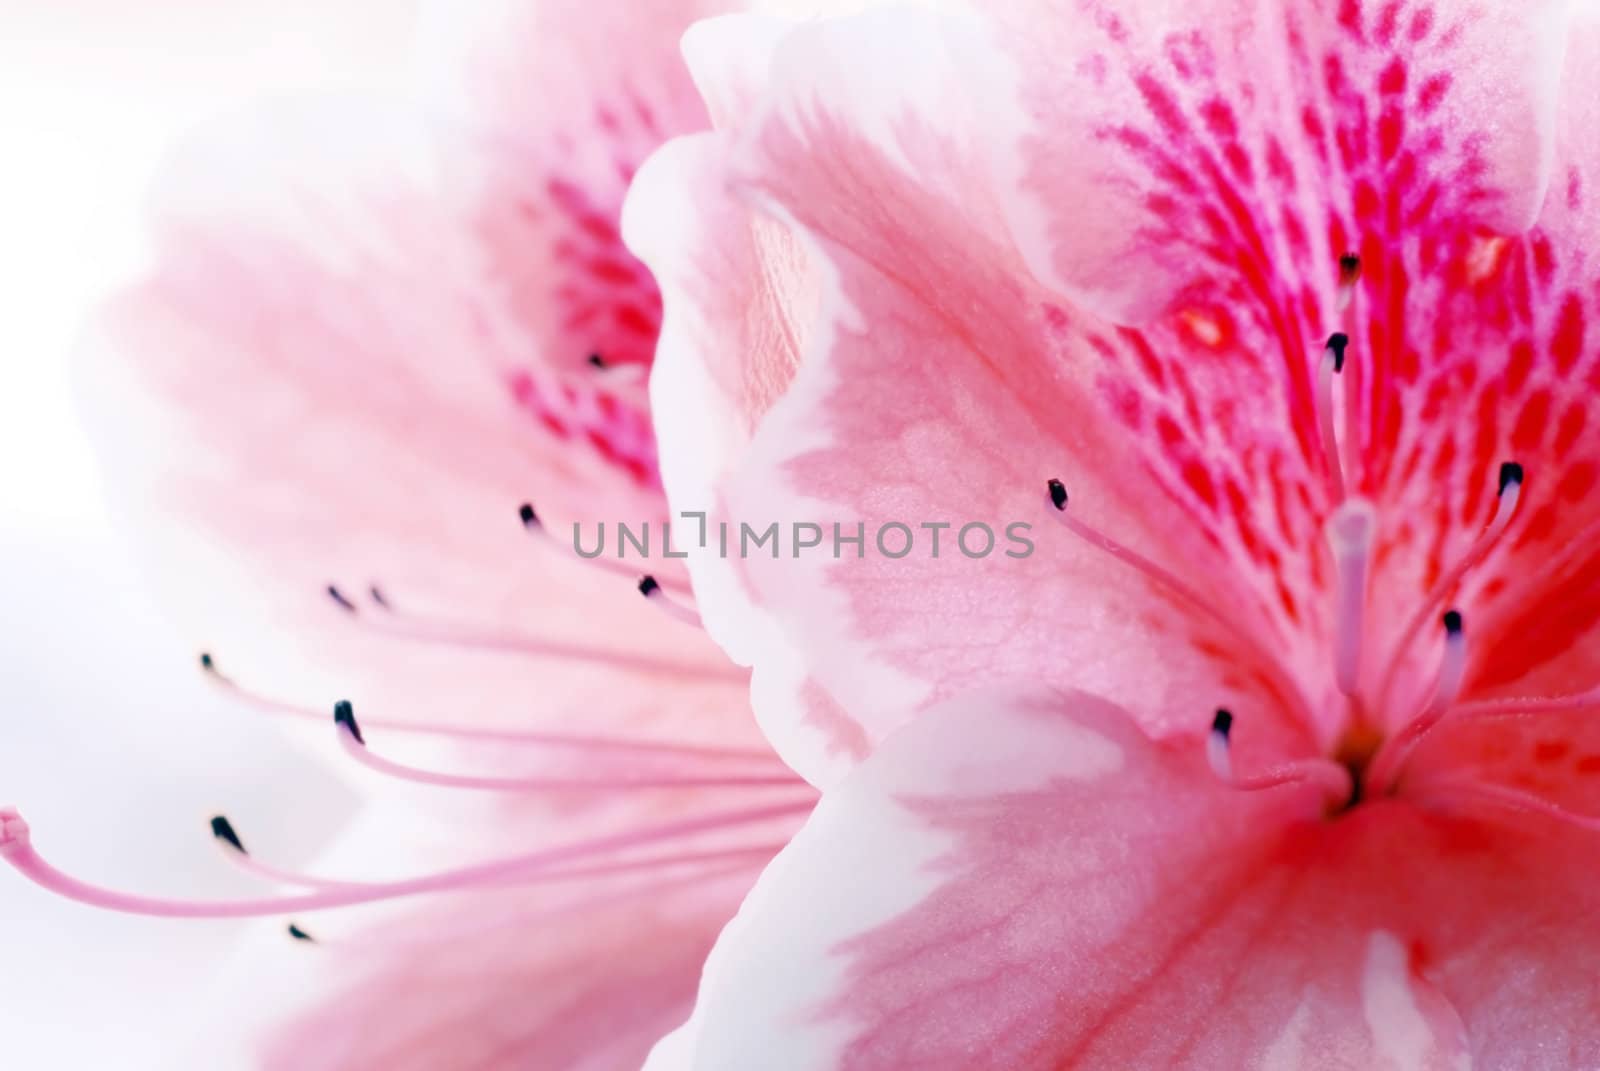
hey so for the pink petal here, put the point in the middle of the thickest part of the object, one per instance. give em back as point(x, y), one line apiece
point(1058, 892)
point(934, 393)
point(945, 386)
point(568, 98)
point(581, 976)
point(1230, 158)
point(308, 388)
point(1163, 115)
point(743, 291)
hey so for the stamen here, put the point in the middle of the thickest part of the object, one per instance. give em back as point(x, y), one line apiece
point(1287, 690)
point(653, 591)
point(340, 600)
point(1507, 497)
point(1349, 275)
point(235, 853)
point(732, 860)
point(1218, 753)
point(300, 935)
point(17, 849)
point(1333, 778)
point(532, 522)
point(1332, 364)
point(596, 360)
point(416, 628)
point(1351, 531)
point(1510, 798)
point(1521, 706)
point(1391, 756)
point(280, 876)
point(473, 734)
point(355, 746)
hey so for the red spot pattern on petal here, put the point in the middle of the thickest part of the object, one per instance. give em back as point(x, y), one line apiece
point(1469, 346)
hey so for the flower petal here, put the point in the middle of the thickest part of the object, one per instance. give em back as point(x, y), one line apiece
point(1230, 155)
point(307, 388)
point(581, 974)
point(1179, 122)
point(1058, 892)
point(568, 98)
point(937, 391)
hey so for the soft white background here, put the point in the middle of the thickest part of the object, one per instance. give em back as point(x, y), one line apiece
point(109, 739)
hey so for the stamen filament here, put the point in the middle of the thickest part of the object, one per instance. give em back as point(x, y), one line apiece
point(1521, 706)
point(1349, 275)
point(476, 924)
point(532, 522)
point(1511, 798)
point(16, 848)
point(1331, 365)
point(247, 863)
point(1287, 691)
point(350, 738)
point(1391, 756)
point(1510, 494)
point(416, 628)
point(1351, 531)
point(482, 735)
point(1333, 778)
point(652, 590)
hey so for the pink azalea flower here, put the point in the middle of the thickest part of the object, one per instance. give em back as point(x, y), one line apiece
point(1276, 323)
point(363, 342)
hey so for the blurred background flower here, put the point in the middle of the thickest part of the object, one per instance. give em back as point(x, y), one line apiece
point(92, 93)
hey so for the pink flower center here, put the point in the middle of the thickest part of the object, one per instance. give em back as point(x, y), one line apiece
point(1383, 712)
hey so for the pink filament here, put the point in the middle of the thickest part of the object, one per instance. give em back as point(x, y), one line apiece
point(670, 606)
point(248, 864)
point(1510, 798)
point(1325, 418)
point(419, 629)
point(1487, 709)
point(1326, 774)
point(1391, 756)
point(1505, 509)
point(1287, 690)
point(504, 736)
point(17, 849)
point(476, 925)
point(279, 876)
point(609, 565)
point(359, 751)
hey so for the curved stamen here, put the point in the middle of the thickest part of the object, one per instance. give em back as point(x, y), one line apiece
point(1349, 275)
point(1351, 531)
point(1509, 494)
point(472, 734)
point(1522, 706)
point(356, 747)
point(1331, 365)
point(535, 526)
point(17, 849)
point(657, 596)
point(1391, 756)
point(1287, 691)
point(476, 924)
point(401, 625)
point(1509, 798)
point(236, 854)
point(1326, 774)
